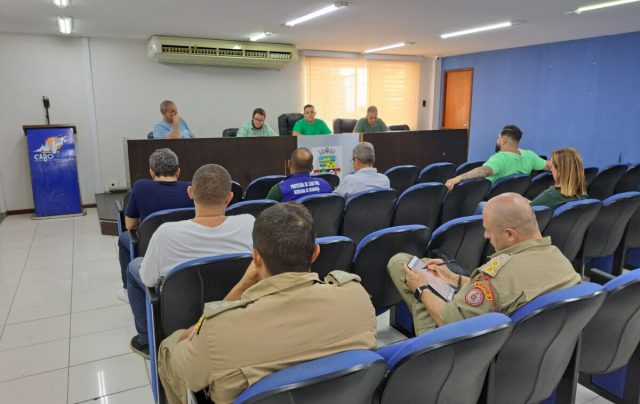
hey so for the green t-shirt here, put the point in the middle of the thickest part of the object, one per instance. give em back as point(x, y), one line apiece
point(318, 127)
point(247, 130)
point(363, 126)
point(552, 198)
point(504, 164)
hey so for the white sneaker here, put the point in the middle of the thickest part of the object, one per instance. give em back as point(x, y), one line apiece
point(122, 295)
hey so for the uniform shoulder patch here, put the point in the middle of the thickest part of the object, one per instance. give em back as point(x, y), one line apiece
point(492, 267)
point(474, 297)
point(212, 309)
point(340, 278)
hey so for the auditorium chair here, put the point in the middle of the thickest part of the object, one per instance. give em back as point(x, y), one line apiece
point(346, 377)
point(541, 352)
point(326, 210)
point(538, 184)
point(286, 122)
point(436, 172)
point(605, 182)
point(569, 225)
point(230, 132)
point(517, 183)
point(140, 238)
point(336, 253)
point(402, 177)
point(373, 253)
point(399, 127)
point(259, 188)
point(461, 239)
point(253, 207)
point(366, 212)
point(344, 125)
point(420, 204)
point(121, 205)
point(464, 198)
point(236, 188)
point(150, 135)
point(630, 181)
point(607, 230)
point(628, 252)
point(590, 174)
point(332, 179)
point(179, 301)
point(445, 365)
point(610, 357)
point(466, 167)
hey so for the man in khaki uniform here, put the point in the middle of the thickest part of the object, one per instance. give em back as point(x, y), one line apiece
point(278, 315)
point(525, 266)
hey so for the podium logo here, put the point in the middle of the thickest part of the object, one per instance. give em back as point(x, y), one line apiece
point(49, 149)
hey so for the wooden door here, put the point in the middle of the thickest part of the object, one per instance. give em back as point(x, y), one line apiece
point(458, 85)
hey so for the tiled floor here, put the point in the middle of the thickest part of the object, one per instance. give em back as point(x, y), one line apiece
point(64, 337)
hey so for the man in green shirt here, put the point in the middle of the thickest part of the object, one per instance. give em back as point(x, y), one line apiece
point(371, 123)
point(256, 126)
point(508, 160)
point(309, 125)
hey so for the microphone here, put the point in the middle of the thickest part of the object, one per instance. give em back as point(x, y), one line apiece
point(45, 102)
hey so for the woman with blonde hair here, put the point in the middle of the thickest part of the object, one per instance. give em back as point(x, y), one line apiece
point(568, 173)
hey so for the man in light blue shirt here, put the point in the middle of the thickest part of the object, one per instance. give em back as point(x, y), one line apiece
point(172, 126)
point(366, 176)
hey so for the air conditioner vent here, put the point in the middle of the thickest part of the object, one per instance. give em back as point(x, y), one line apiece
point(205, 51)
point(175, 49)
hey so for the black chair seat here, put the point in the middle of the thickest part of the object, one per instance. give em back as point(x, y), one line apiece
point(538, 184)
point(151, 223)
point(344, 125)
point(517, 183)
point(366, 212)
point(259, 188)
point(464, 198)
point(326, 210)
point(436, 172)
point(402, 177)
point(605, 181)
point(332, 179)
point(336, 253)
point(630, 181)
point(253, 207)
point(420, 204)
point(230, 132)
point(461, 239)
point(286, 122)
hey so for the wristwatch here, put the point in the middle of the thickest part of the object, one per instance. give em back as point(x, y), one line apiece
point(418, 292)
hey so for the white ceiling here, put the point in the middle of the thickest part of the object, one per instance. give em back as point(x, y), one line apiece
point(366, 24)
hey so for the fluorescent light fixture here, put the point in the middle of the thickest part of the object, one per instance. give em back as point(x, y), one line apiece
point(393, 46)
point(65, 25)
point(318, 13)
point(603, 5)
point(61, 3)
point(477, 29)
point(259, 36)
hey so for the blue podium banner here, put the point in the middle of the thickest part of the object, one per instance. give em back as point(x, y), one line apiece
point(54, 172)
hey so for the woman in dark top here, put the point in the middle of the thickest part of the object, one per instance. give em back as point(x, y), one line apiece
point(568, 173)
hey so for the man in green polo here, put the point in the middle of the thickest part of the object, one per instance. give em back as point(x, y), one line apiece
point(371, 123)
point(309, 125)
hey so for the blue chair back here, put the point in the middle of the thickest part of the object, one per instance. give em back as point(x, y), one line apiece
point(326, 210)
point(605, 182)
point(437, 172)
point(151, 223)
point(630, 181)
point(346, 377)
point(420, 204)
point(517, 183)
point(446, 365)
point(543, 216)
point(336, 253)
point(253, 207)
point(236, 188)
point(259, 188)
point(332, 179)
point(375, 250)
point(533, 360)
point(464, 198)
point(538, 184)
point(461, 239)
point(366, 212)
point(468, 166)
point(590, 175)
point(402, 177)
point(569, 225)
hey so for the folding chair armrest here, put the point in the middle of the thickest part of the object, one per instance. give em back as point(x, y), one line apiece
point(120, 217)
point(133, 244)
point(600, 277)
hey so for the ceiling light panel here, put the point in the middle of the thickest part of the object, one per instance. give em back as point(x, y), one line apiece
point(317, 13)
point(477, 29)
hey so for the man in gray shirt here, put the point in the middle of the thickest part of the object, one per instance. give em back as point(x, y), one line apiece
point(366, 176)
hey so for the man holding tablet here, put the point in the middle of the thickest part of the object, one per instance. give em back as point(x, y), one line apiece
point(525, 266)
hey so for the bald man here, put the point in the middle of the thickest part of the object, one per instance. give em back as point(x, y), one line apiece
point(524, 266)
point(300, 183)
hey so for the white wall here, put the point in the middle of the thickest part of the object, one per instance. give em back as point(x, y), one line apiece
point(111, 90)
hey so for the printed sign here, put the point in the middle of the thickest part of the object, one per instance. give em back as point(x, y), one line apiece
point(327, 159)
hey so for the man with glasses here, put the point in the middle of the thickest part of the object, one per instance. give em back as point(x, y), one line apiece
point(256, 126)
point(366, 176)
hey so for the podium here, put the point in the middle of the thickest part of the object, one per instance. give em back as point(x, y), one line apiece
point(54, 171)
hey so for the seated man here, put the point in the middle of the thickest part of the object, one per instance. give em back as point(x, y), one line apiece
point(172, 126)
point(209, 233)
point(256, 126)
point(524, 266)
point(309, 125)
point(371, 123)
point(162, 191)
point(508, 159)
point(278, 315)
point(299, 183)
point(366, 176)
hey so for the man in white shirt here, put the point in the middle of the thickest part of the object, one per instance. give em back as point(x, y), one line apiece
point(210, 232)
point(366, 176)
